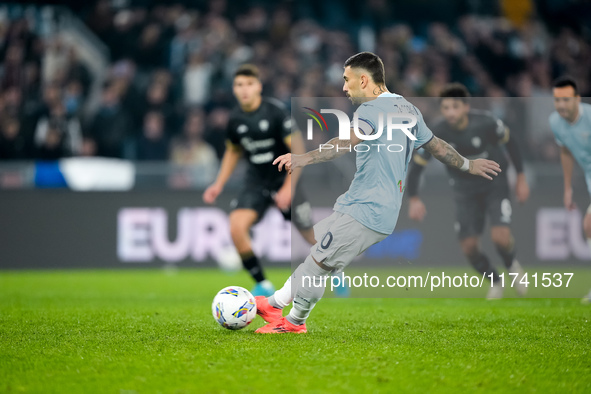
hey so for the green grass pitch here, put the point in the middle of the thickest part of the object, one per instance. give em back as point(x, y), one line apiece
point(149, 331)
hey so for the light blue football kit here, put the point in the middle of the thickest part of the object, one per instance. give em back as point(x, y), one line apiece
point(367, 213)
point(576, 137)
point(375, 195)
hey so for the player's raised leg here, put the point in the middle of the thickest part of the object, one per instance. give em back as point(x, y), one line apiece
point(343, 240)
point(342, 290)
point(303, 222)
point(307, 284)
point(241, 220)
point(269, 307)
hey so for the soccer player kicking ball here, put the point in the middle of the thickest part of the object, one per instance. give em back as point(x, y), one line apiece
point(476, 134)
point(571, 125)
point(259, 129)
point(368, 211)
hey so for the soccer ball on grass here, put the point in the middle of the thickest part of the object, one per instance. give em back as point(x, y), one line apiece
point(234, 307)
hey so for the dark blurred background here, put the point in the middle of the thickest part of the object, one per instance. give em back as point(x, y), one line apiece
point(151, 80)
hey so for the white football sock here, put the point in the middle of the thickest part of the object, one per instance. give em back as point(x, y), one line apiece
point(310, 282)
point(284, 296)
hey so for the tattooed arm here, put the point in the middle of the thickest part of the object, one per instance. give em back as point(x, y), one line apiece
point(446, 154)
point(328, 151)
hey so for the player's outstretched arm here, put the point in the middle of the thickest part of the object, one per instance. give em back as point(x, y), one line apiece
point(328, 151)
point(446, 154)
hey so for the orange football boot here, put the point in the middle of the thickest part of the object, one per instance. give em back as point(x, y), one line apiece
point(267, 311)
point(282, 326)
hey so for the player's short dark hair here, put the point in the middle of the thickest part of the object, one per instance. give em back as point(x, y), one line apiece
point(247, 70)
point(369, 62)
point(455, 90)
point(565, 81)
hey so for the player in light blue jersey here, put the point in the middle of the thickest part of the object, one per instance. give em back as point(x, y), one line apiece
point(369, 200)
point(571, 125)
point(368, 211)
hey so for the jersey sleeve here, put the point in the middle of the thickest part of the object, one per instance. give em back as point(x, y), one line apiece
point(366, 121)
point(424, 133)
point(286, 123)
point(231, 134)
point(286, 127)
point(281, 118)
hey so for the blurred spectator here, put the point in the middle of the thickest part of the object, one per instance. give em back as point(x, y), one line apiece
point(68, 127)
point(121, 39)
point(52, 96)
point(152, 144)
point(122, 77)
point(73, 98)
point(14, 75)
point(100, 20)
point(111, 126)
point(190, 148)
point(12, 142)
point(31, 83)
point(77, 71)
point(158, 98)
point(196, 80)
point(187, 40)
point(54, 144)
point(88, 148)
point(55, 62)
point(149, 51)
point(13, 100)
point(19, 32)
point(197, 157)
point(215, 134)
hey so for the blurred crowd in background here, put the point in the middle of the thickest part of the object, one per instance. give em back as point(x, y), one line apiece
point(168, 91)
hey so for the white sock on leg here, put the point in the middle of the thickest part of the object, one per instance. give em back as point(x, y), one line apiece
point(308, 290)
point(282, 297)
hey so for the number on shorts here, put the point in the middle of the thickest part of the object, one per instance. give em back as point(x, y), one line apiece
point(326, 241)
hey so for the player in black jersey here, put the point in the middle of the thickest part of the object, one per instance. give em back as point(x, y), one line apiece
point(259, 130)
point(476, 134)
